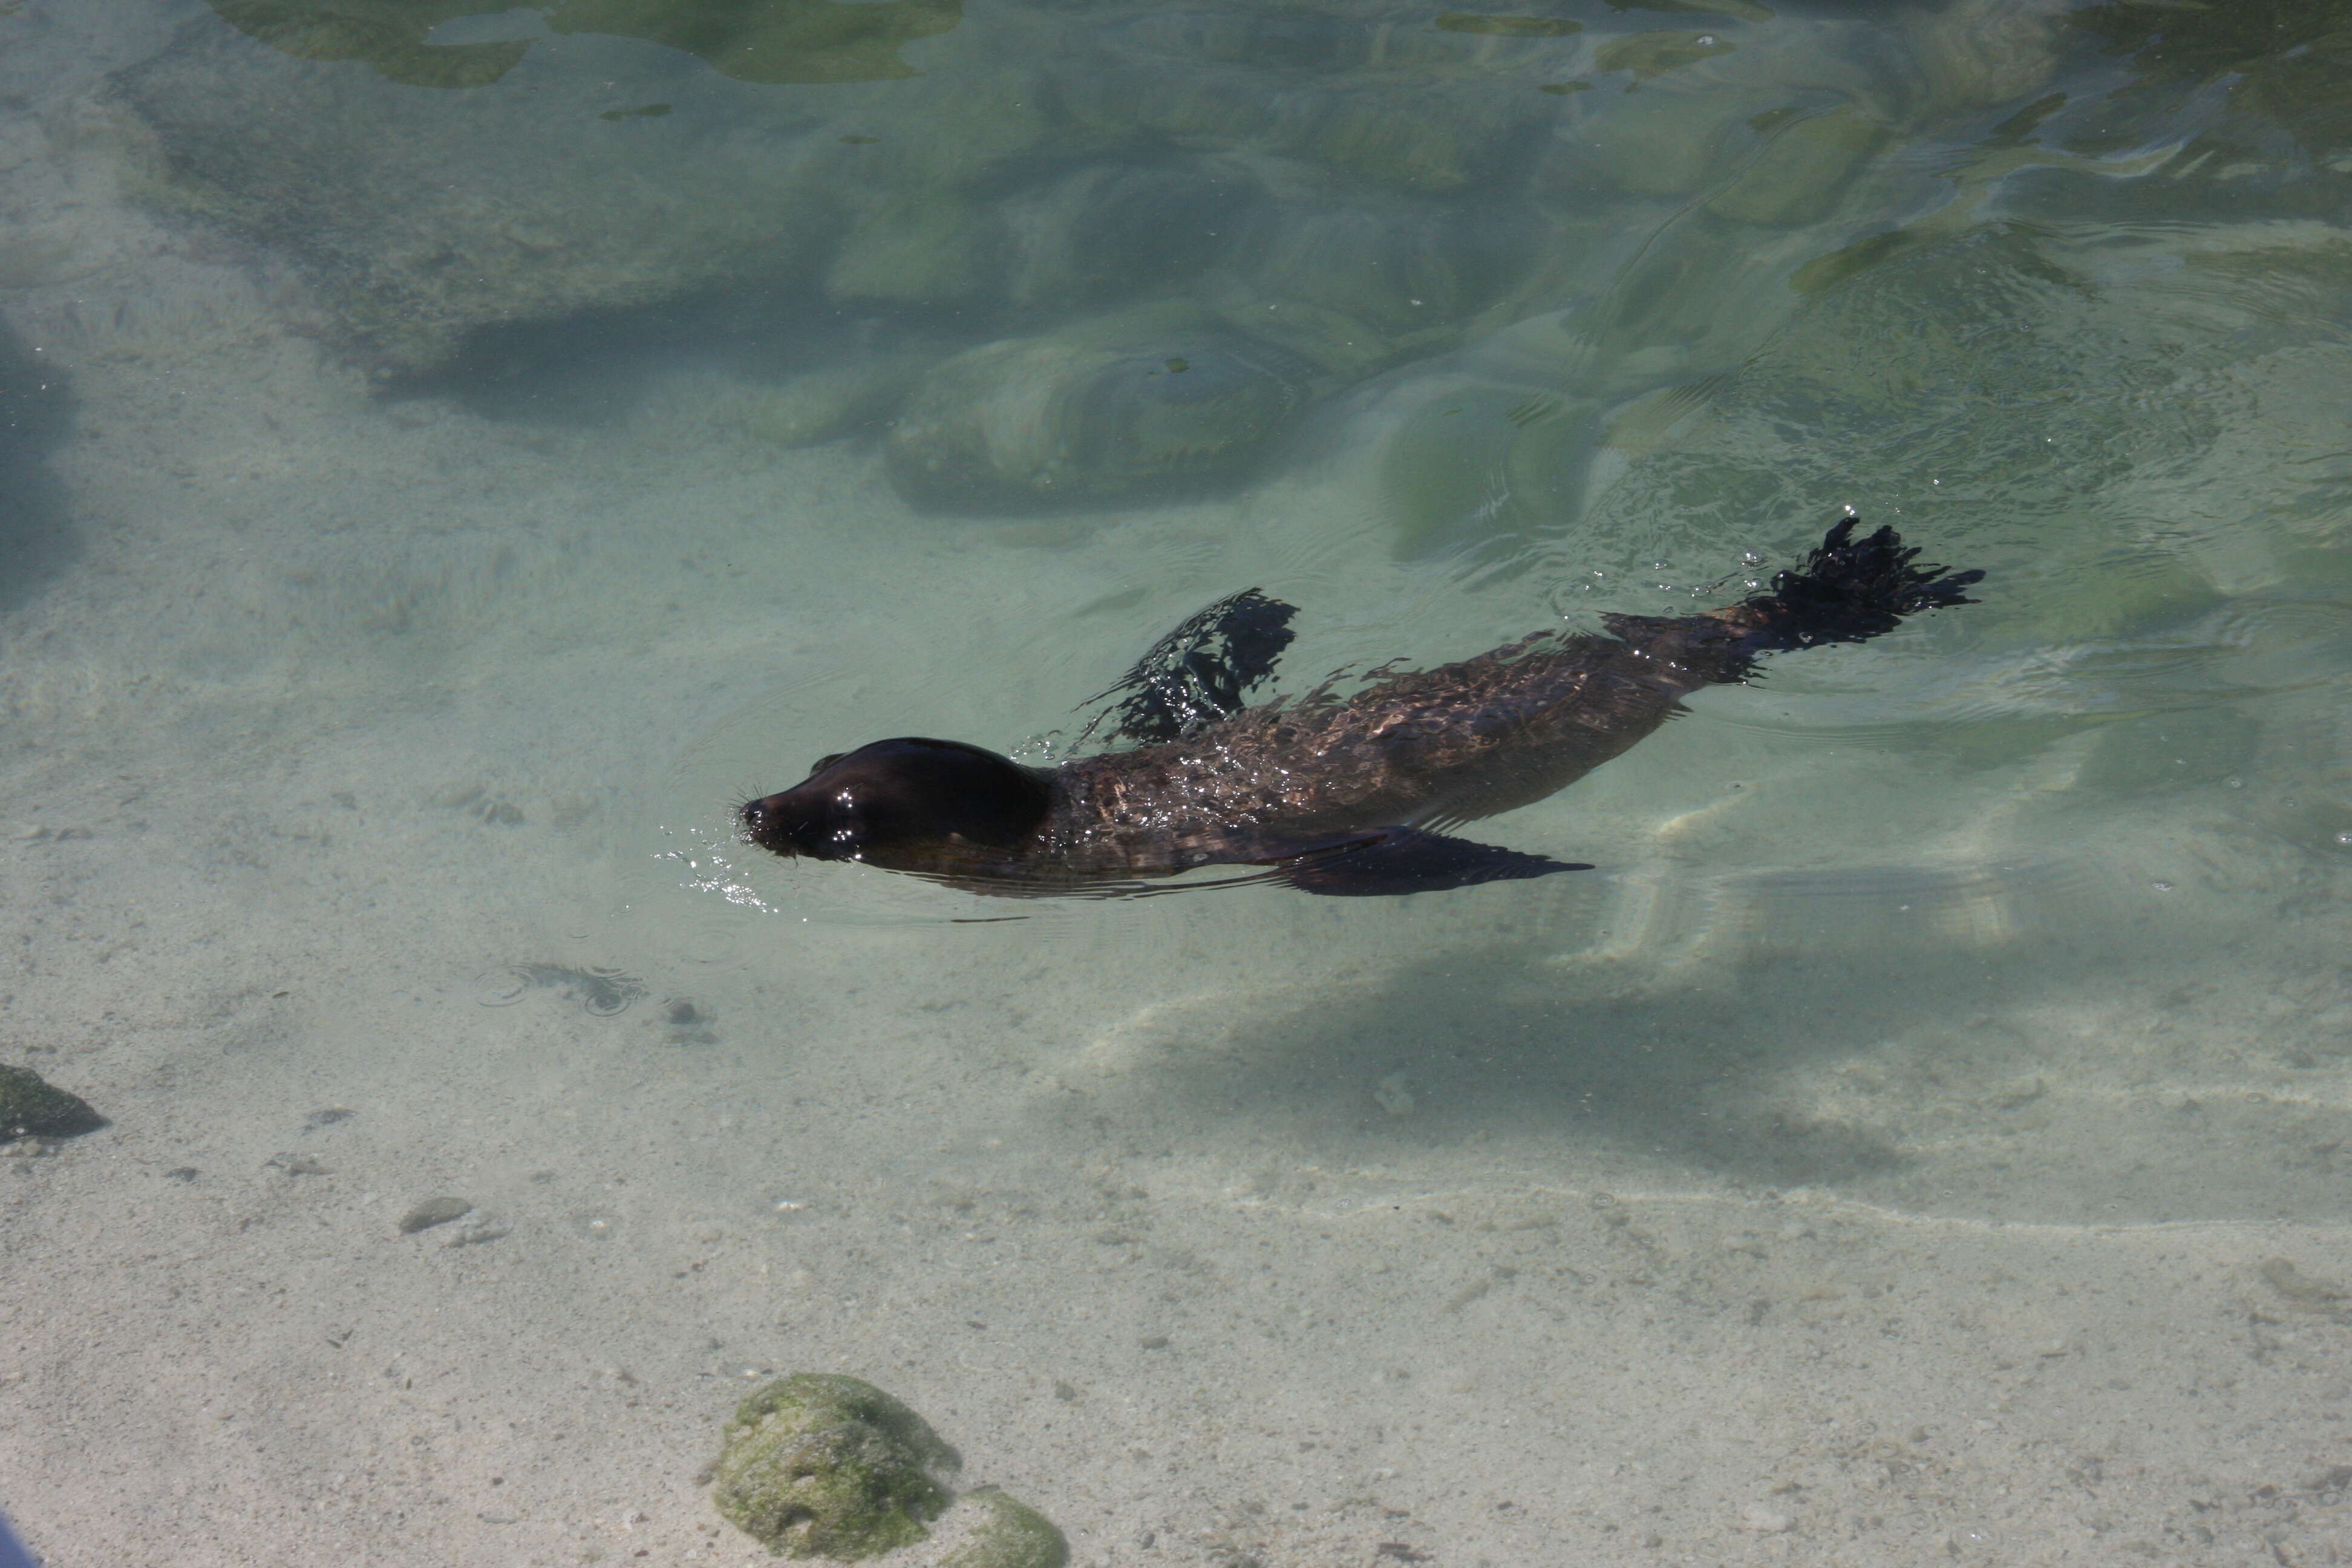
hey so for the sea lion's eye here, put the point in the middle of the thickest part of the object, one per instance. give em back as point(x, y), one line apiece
point(825, 762)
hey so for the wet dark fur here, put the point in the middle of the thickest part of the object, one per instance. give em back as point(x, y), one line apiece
point(1336, 794)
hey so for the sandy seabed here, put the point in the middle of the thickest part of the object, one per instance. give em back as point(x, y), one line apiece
point(1987, 1211)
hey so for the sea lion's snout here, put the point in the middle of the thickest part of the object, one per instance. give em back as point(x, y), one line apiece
point(911, 804)
point(787, 824)
point(763, 823)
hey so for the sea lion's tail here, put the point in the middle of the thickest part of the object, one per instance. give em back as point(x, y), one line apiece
point(1848, 590)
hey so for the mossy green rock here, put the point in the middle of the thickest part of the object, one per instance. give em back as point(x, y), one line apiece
point(1015, 1536)
point(817, 1465)
point(31, 1108)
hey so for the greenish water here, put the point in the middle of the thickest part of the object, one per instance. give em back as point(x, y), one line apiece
point(449, 454)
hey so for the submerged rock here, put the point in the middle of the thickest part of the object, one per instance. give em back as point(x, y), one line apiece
point(828, 402)
point(1354, 287)
point(916, 253)
point(1106, 231)
point(31, 1108)
point(1797, 177)
point(1137, 242)
point(817, 1465)
point(1645, 55)
point(1015, 1535)
point(1405, 106)
point(1138, 403)
point(1989, 52)
point(422, 217)
point(1472, 462)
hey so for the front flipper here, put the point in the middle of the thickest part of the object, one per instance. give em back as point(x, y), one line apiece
point(1197, 673)
point(1406, 860)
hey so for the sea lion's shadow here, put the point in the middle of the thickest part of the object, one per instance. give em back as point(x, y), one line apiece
point(38, 539)
point(1509, 1047)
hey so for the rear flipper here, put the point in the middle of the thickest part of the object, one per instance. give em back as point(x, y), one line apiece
point(1396, 861)
point(1848, 590)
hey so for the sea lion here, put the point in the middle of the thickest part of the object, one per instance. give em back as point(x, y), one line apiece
point(1329, 794)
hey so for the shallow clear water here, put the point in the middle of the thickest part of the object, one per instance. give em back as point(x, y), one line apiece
point(448, 456)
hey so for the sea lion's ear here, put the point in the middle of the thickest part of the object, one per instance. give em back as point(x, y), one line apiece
point(1196, 674)
point(1396, 861)
point(823, 762)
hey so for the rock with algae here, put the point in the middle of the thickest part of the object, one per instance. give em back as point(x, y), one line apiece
point(1014, 1535)
point(818, 1465)
point(31, 1108)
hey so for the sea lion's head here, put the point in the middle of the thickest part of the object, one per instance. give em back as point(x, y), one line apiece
point(910, 804)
